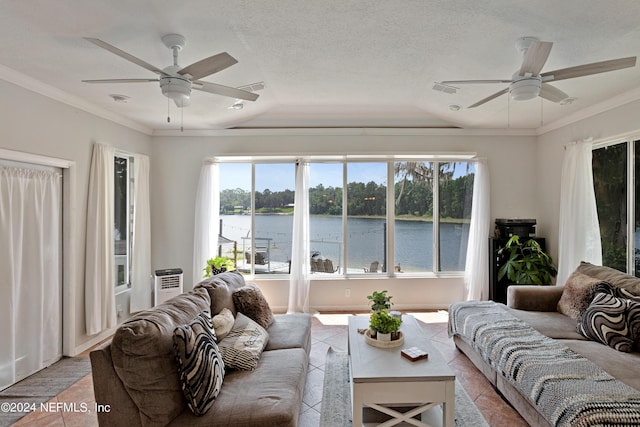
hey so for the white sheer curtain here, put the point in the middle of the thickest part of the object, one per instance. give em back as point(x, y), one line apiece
point(476, 271)
point(30, 262)
point(579, 230)
point(99, 292)
point(299, 281)
point(141, 245)
point(205, 235)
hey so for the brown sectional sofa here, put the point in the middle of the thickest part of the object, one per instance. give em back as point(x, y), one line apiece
point(537, 306)
point(136, 374)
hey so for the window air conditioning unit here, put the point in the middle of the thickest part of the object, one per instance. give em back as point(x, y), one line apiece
point(168, 284)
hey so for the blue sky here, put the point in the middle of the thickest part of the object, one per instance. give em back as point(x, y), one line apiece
point(281, 176)
point(278, 177)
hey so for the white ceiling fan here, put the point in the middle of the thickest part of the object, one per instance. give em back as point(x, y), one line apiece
point(528, 82)
point(175, 81)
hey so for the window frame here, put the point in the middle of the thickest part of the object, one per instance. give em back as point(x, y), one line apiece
point(390, 160)
point(118, 289)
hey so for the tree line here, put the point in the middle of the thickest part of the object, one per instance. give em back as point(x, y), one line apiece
point(413, 197)
point(413, 193)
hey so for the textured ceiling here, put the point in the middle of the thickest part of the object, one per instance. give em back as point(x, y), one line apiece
point(324, 63)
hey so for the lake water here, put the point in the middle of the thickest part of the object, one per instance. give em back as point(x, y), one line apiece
point(365, 237)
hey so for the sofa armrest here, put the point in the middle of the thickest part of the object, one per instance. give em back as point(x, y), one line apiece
point(533, 297)
point(118, 407)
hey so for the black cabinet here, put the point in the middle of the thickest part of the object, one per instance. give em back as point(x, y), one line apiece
point(498, 288)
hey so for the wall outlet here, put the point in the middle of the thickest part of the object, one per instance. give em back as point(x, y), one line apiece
point(347, 292)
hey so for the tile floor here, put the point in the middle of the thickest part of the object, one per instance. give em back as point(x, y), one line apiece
point(327, 330)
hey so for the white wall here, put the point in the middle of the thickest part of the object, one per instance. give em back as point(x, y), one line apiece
point(36, 124)
point(177, 161)
point(615, 122)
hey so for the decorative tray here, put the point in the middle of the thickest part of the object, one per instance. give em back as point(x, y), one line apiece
point(384, 344)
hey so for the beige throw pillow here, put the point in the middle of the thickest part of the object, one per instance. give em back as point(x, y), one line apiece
point(222, 323)
point(578, 293)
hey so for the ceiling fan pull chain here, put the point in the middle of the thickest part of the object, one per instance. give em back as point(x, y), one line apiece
point(169, 108)
point(181, 115)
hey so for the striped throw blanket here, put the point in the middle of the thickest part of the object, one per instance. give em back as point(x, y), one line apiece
point(566, 388)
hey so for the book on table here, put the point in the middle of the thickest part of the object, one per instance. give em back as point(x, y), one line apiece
point(414, 354)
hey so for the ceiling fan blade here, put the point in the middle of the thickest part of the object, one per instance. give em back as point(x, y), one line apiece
point(209, 66)
point(551, 93)
point(535, 58)
point(125, 55)
point(489, 98)
point(121, 80)
point(462, 82)
point(589, 69)
point(231, 92)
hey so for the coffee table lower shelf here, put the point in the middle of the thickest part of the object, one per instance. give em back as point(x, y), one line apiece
point(390, 390)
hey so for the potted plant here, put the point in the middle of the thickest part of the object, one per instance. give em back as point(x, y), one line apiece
point(526, 263)
point(218, 265)
point(384, 324)
point(379, 301)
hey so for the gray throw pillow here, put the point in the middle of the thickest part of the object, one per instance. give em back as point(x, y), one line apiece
point(250, 302)
point(243, 345)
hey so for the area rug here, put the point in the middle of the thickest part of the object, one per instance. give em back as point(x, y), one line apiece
point(336, 396)
point(43, 386)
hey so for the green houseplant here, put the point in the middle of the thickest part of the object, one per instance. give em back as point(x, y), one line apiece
point(218, 265)
point(384, 324)
point(526, 263)
point(380, 301)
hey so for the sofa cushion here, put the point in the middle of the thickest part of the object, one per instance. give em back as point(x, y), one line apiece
point(614, 277)
point(243, 345)
point(577, 294)
point(250, 302)
point(222, 323)
point(608, 320)
point(143, 356)
point(199, 361)
point(549, 323)
point(220, 288)
point(623, 366)
point(271, 395)
point(290, 331)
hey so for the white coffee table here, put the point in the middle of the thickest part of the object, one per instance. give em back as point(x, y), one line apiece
point(382, 379)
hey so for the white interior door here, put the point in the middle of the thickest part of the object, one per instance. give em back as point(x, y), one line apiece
point(30, 270)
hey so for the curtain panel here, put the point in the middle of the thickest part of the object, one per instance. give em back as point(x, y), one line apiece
point(207, 218)
point(30, 261)
point(299, 281)
point(579, 229)
point(100, 299)
point(476, 272)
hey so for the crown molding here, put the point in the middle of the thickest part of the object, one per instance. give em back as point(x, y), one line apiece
point(590, 111)
point(19, 79)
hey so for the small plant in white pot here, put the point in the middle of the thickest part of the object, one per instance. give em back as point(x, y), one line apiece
point(384, 324)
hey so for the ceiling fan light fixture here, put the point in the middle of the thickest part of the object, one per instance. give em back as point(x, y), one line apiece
point(525, 89)
point(176, 88)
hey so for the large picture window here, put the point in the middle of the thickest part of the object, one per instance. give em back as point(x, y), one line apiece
point(359, 224)
point(616, 176)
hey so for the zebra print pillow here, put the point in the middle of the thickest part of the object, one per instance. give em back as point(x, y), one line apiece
point(200, 365)
point(612, 321)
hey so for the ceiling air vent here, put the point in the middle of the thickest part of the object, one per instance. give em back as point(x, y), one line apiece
point(444, 88)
